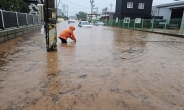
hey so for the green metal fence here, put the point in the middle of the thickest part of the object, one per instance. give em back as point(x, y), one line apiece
point(171, 26)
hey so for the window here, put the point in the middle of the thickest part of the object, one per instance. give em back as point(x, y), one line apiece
point(129, 4)
point(126, 20)
point(138, 20)
point(141, 6)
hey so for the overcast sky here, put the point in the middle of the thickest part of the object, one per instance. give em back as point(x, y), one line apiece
point(75, 6)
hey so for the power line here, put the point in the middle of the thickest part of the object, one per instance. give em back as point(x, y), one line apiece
point(79, 5)
point(76, 4)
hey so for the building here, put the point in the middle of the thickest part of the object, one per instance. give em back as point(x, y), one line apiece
point(170, 11)
point(107, 14)
point(132, 9)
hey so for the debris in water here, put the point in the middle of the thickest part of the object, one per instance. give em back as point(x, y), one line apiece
point(82, 76)
point(123, 58)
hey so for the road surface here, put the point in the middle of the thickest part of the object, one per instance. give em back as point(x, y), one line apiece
point(108, 68)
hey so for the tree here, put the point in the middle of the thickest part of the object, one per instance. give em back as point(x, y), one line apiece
point(13, 5)
point(81, 15)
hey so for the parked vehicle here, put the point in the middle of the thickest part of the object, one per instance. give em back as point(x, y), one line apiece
point(84, 24)
point(71, 21)
point(100, 23)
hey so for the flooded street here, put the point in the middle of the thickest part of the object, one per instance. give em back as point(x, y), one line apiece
point(108, 68)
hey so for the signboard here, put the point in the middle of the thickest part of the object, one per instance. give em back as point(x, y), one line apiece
point(52, 36)
point(53, 15)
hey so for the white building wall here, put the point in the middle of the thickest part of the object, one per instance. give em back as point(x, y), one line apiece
point(165, 12)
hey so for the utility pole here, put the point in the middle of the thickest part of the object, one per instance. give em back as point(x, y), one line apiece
point(111, 6)
point(67, 10)
point(96, 12)
point(92, 5)
point(64, 10)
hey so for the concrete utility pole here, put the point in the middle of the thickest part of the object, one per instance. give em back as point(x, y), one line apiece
point(65, 10)
point(92, 5)
point(111, 6)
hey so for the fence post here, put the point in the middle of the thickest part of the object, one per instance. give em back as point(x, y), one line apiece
point(26, 19)
point(182, 29)
point(17, 19)
point(152, 24)
point(2, 18)
point(118, 22)
point(142, 23)
point(134, 24)
point(33, 19)
point(123, 23)
point(165, 25)
point(38, 19)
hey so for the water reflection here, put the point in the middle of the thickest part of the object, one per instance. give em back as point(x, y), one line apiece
point(51, 80)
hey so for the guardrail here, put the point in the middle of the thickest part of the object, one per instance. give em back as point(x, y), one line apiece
point(10, 19)
point(172, 26)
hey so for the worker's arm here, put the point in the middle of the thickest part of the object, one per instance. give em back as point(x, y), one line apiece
point(73, 37)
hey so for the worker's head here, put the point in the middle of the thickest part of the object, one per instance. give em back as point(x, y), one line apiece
point(72, 28)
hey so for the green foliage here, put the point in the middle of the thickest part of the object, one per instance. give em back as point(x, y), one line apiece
point(13, 5)
point(81, 15)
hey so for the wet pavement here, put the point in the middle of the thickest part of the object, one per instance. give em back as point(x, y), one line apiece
point(107, 68)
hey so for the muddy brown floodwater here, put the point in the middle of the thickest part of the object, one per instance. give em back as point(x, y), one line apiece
point(107, 68)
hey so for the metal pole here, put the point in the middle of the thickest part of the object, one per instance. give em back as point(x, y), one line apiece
point(38, 19)
point(152, 24)
point(2, 19)
point(123, 23)
point(134, 24)
point(33, 19)
point(142, 23)
point(118, 22)
point(26, 19)
point(165, 25)
point(17, 19)
point(182, 30)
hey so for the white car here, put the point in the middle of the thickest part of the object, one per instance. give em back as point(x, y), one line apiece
point(100, 23)
point(85, 24)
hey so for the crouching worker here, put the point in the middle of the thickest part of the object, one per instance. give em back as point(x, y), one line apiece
point(67, 33)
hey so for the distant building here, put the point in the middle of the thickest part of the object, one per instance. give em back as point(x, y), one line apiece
point(132, 9)
point(170, 11)
point(107, 14)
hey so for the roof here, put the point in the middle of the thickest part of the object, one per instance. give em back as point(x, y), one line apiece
point(170, 4)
